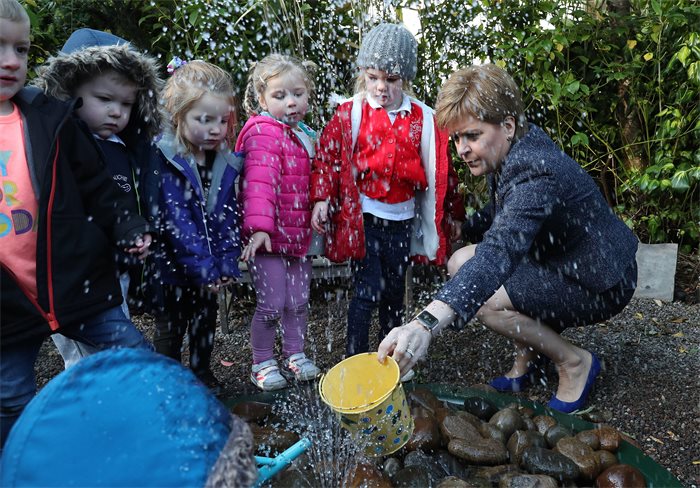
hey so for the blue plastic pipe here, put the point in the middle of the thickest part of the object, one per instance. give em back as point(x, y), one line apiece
point(268, 467)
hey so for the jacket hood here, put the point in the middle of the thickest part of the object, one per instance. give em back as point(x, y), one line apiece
point(61, 75)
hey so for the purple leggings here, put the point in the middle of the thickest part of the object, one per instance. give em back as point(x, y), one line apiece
point(282, 293)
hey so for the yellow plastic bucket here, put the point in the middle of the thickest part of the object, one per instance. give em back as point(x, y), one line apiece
point(371, 402)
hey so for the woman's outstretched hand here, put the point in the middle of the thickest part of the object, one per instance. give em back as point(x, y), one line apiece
point(256, 240)
point(319, 217)
point(406, 344)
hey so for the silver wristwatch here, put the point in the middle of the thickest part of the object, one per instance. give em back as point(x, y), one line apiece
point(428, 321)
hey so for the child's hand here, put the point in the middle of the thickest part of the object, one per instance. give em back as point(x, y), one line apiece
point(256, 240)
point(455, 230)
point(141, 246)
point(319, 217)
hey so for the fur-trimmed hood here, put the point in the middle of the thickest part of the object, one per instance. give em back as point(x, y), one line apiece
point(61, 75)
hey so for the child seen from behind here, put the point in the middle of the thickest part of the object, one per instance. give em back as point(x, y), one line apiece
point(200, 224)
point(383, 182)
point(278, 147)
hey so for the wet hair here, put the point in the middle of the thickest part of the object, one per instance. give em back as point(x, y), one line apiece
point(186, 86)
point(269, 67)
point(485, 92)
point(361, 83)
point(14, 12)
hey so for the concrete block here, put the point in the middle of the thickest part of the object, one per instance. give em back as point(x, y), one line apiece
point(656, 265)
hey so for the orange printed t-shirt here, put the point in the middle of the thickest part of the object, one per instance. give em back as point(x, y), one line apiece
point(18, 205)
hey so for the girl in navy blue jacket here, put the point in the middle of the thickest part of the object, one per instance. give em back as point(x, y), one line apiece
point(551, 253)
point(199, 212)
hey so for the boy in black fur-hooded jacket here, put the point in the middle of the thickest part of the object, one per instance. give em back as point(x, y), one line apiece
point(117, 90)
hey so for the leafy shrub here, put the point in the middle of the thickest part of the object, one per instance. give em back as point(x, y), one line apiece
point(616, 84)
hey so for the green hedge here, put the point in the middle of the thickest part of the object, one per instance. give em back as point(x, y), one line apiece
point(616, 83)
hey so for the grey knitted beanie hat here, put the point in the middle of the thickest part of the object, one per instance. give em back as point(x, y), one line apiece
point(391, 48)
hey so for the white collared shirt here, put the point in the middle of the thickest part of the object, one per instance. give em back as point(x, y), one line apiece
point(112, 138)
point(404, 107)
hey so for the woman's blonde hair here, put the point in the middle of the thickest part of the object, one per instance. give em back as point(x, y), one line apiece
point(485, 92)
point(269, 67)
point(188, 84)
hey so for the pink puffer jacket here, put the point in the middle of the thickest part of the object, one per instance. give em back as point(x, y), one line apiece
point(275, 185)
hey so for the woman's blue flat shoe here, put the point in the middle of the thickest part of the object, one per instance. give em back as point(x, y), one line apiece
point(568, 407)
point(505, 384)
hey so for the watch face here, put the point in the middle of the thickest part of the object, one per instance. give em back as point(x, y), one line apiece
point(429, 319)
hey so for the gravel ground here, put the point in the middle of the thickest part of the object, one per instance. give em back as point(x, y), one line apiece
point(650, 387)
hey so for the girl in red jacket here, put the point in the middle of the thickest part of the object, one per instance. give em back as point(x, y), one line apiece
point(278, 148)
point(380, 180)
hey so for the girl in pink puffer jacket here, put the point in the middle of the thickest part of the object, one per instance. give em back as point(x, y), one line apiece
point(278, 148)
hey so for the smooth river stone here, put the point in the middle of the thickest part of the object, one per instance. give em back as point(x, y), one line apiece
point(520, 440)
point(366, 474)
point(426, 435)
point(555, 433)
point(419, 412)
point(537, 460)
point(544, 423)
point(470, 417)
point(609, 438)
point(480, 407)
point(493, 474)
point(606, 459)
point(490, 431)
point(451, 465)
point(454, 482)
point(253, 411)
point(410, 477)
point(621, 476)
point(424, 398)
point(582, 455)
point(424, 461)
point(527, 481)
point(526, 412)
point(508, 420)
point(456, 427)
point(590, 438)
point(529, 424)
point(479, 451)
point(443, 412)
point(391, 466)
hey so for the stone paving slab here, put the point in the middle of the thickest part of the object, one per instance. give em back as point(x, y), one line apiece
point(656, 271)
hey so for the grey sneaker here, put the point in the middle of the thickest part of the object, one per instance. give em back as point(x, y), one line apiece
point(267, 376)
point(301, 367)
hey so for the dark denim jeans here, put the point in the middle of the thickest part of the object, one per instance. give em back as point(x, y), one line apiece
point(379, 281)
point(191, 310)
point(108, 329)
